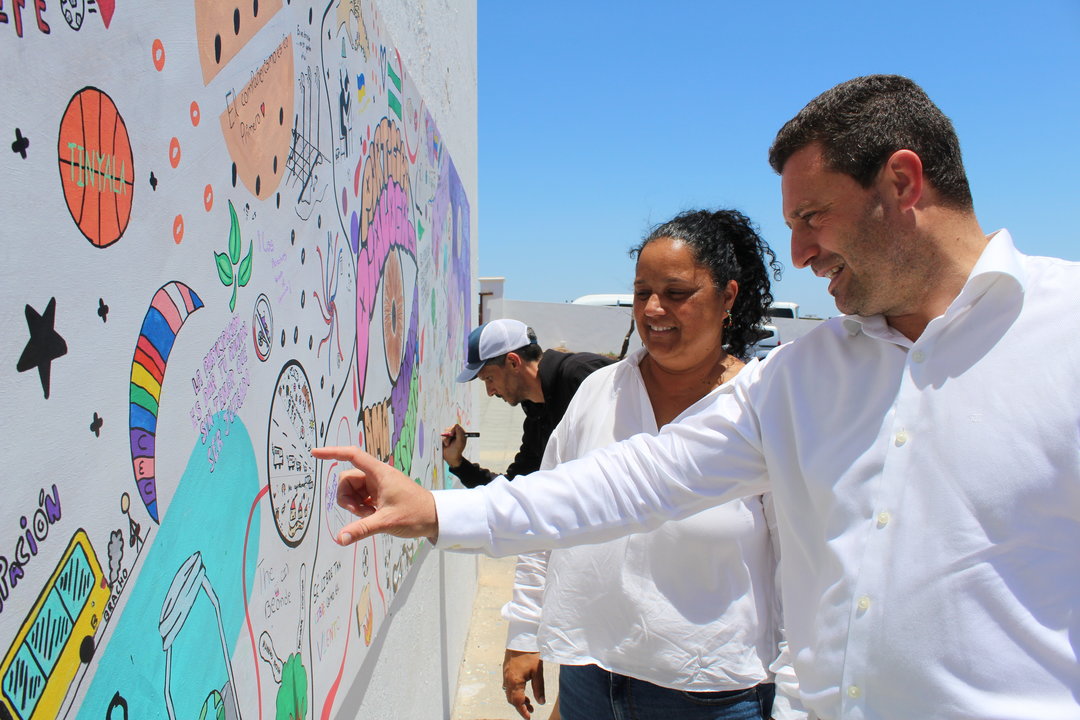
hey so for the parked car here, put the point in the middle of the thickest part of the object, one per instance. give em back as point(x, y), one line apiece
point(768, 340)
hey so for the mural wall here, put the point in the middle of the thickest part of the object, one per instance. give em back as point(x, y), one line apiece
point(231, 232)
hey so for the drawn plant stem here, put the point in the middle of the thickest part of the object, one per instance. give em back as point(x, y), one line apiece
point(237, 277)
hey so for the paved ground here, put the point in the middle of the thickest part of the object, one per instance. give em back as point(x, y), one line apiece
point(479, 693)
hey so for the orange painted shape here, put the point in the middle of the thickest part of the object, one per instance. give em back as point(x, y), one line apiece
point(158, 53)
point(178, 229)
point(96, 166)
point(222, 29)
point(257, 122)
point(174, 152)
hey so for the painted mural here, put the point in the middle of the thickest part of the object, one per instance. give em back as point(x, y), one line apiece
point(231, 232)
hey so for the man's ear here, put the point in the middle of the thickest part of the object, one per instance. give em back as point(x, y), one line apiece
point(513, 360)
point(902, 178)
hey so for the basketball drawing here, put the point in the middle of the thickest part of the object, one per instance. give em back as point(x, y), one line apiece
point(97, 170)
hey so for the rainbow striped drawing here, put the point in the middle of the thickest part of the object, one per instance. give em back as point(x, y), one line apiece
point(172, 304)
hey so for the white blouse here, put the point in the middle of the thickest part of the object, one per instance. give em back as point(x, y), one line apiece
point(691, 605)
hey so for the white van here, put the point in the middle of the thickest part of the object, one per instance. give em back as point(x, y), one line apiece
point(784, 310)
point(609, 300)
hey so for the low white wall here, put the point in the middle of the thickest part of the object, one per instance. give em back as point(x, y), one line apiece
point(598, 329)
point(581, 328)
point(790, 329)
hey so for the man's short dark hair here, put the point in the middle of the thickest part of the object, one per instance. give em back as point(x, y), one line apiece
point(528, 353)
point(860, 123)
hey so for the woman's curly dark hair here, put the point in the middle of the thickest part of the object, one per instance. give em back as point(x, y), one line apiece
point(728, 244)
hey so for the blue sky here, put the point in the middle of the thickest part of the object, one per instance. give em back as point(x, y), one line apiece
point(599, 119)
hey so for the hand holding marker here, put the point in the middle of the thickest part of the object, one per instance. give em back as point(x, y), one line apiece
point(453, 444)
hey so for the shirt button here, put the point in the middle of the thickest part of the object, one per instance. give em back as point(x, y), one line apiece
point(883, 518)
point(854, 691)
point(918, 356)
point(864, 603)
point(901, 438)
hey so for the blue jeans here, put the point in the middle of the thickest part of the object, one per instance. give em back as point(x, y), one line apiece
point(587, 692)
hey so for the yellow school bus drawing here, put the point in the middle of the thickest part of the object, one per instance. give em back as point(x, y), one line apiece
point(56, 637)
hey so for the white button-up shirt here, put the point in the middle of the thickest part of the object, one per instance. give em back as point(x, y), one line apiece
point(691, 605)
point(927, 494)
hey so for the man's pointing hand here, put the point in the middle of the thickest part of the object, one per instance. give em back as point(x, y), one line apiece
point(383, 498)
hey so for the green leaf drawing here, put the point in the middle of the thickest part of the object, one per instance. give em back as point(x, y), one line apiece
point(234, 235)
point(213, 708)
point(224, 268)
point(232, 300)
point(292, 693)
point(244, 273)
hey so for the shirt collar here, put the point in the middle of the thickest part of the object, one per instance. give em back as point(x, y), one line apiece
point(999, 259)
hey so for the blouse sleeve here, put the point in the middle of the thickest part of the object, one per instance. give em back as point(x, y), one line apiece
point(530, 576)
point(787, 705)
point(523, 611)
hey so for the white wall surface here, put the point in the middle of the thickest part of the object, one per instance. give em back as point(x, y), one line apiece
point(265, 198)
point(416, 676)
point(438, 39)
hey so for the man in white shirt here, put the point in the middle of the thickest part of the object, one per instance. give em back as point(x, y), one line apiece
point(923, 451)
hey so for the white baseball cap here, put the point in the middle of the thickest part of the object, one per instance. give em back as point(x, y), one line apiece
point(491, 340)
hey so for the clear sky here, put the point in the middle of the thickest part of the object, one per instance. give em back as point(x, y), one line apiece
point(599, 119)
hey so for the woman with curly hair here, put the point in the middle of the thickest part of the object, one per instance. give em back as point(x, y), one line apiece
point(683, 621)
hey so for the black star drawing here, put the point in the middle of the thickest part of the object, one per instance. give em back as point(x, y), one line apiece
point(20, 144)
point(95, 426)
point(103, 310)
point(44, 345)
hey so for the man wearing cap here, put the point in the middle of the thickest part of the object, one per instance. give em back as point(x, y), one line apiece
point(505, 356)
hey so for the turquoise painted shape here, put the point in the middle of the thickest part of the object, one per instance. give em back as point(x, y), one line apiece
point(208, 514)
